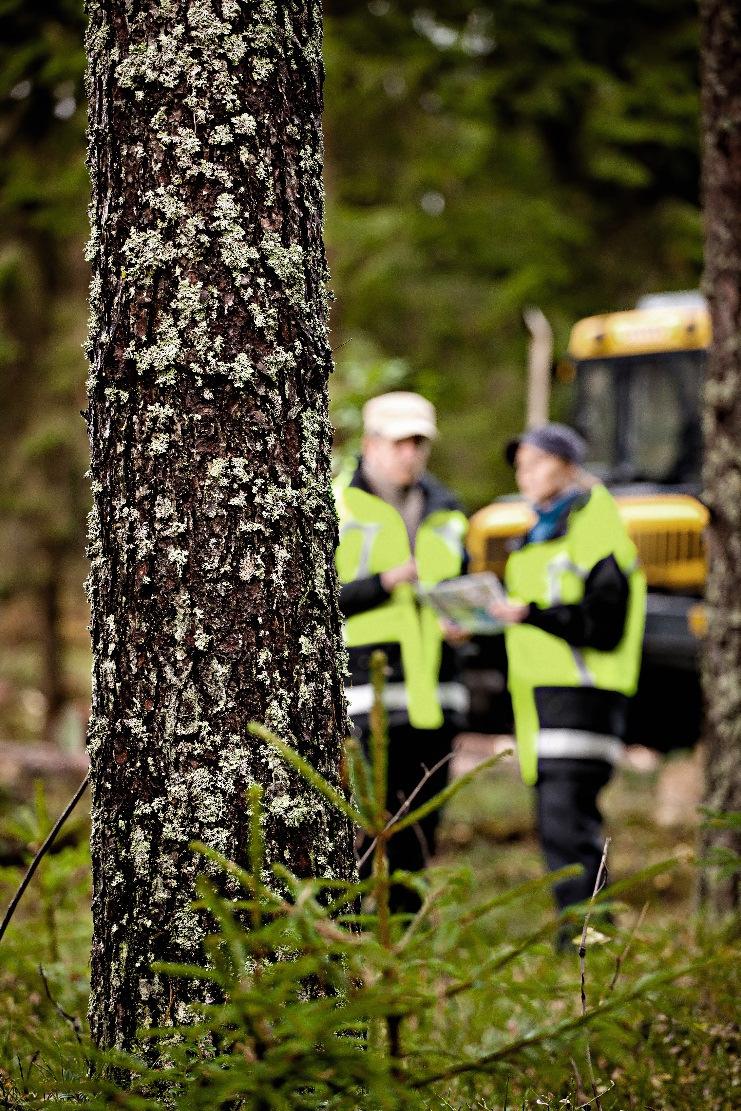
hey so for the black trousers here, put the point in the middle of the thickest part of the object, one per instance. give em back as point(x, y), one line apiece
point(410, 751)
point(570, 823)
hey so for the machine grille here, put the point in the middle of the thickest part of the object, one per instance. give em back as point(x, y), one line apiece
point(671, 558)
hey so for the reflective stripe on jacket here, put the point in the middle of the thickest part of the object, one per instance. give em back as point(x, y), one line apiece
point(556, 683)
point(374, 539)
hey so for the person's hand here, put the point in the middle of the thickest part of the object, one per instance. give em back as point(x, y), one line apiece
point(509, 613)
point(453, 633)
point(404, 573)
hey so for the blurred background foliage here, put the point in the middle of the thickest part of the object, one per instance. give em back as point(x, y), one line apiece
point(481, 157)
point(43, 290)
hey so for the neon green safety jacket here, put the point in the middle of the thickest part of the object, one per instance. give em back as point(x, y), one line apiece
point(553, 682)
point(373, 539)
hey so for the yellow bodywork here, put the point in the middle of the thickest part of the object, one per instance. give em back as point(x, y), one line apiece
point(667, 529)
point(641, 332)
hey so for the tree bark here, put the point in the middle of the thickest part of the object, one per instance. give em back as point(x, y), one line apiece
point(212, 536)
point(721, 139)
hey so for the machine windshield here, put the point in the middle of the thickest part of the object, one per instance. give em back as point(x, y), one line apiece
point(640, 416)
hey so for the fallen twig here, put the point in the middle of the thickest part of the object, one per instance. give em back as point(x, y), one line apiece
point(73, 1020)
point(428, 773)
point(41, 854)
point(624, 951)
point(599, 883)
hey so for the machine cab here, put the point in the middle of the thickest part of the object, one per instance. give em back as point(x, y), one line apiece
point(638, 377)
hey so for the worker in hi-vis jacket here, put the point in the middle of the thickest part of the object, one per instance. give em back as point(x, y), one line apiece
point(400, 527)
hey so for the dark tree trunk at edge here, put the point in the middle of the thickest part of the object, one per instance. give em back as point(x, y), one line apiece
point(721, 123)
point(212, 535)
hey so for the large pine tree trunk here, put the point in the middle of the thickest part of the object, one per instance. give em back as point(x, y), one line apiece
point(721, 93)
point(212, 535)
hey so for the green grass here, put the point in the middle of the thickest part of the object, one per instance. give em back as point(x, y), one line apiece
point(673, 1047)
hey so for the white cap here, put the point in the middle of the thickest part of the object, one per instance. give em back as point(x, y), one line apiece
point(398, 415)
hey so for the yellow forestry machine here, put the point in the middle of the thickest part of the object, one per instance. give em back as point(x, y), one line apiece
point(637, 379)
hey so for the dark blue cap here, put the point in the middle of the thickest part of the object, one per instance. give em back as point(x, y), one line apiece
point(555, 439)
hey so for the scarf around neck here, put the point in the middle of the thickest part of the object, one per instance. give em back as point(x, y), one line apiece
point(551, 515)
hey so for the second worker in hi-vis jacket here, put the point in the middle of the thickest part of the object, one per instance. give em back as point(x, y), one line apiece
point(574, 637)
point(399, 526)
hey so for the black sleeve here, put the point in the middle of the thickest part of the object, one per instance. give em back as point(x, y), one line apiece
point(361, 595)
point(598, 621)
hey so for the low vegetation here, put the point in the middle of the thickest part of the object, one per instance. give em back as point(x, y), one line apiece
point(320, 1001)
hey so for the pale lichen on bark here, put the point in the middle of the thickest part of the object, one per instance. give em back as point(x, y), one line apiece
point(211, 538)
point(721, 94)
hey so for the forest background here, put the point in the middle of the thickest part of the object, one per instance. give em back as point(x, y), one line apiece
point(480, 158)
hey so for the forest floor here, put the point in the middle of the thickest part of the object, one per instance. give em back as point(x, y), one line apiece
point(651, 815)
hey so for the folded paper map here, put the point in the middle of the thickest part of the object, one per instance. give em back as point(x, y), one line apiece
point(465, 601)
